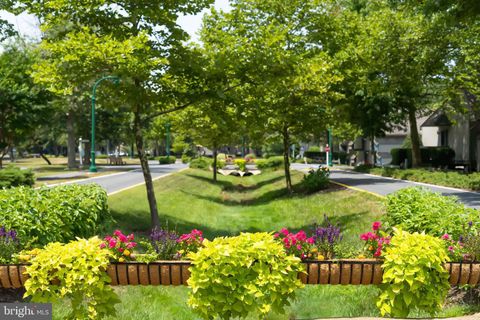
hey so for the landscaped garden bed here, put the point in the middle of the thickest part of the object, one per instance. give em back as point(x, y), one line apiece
point(322, 254)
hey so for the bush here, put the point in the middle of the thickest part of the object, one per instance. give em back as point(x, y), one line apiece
point(232, 277)
point(167, 160)
point(272, 163)
point(251, 156)
point(102, 156)
point(313, 149)
point(418, 209)
point(413, 275)
point(75, 271)
point(186, 159)
point(54, 214)
point(12, 176)
point(316, 180)
point(242, 164)
point(201, 163)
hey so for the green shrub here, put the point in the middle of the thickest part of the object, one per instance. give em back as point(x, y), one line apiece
point(316, 180)
point(75, 271)
point(102, 156)
point(186, 159)
point(241, 163)
point(12, 176)
point(167, 160)
point(313, 149)
point(232, 277)
point(201, 163)
point(273, 163)
point(418, 209)
point(251, 156)
point(414, 276)
point(54, 214)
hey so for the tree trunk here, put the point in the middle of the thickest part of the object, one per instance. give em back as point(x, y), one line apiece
point(152, 201)
point(12, 155)
point(416, 155)
point(286, 158)
point(45, 158)
point(214, 163)
point(71, 143)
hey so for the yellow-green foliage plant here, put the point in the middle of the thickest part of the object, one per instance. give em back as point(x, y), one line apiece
point(232, 277)
point(414, 276)
point(74, 271)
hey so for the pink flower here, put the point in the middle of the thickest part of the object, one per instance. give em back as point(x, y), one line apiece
point(276, 235)
point(122, 238)
point(299, 247)
point(108, 238)
point(301, 236)
point(112, 243)
point(364, 236)
point(130, 237)
point(131, 245)
point(378, 253)
point(310, 240)
point(450, 248)
point(120, 249)
point(102, 245)
point(284, 231)
point(376, 225)
point(446, 236)
point(117, 233)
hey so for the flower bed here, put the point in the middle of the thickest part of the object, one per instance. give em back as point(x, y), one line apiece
point(334, 272)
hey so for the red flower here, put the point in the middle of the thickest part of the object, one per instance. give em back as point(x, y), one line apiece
point(376, 225)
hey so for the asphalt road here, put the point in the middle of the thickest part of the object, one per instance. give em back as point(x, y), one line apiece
point(384, 186)
point(118, 181)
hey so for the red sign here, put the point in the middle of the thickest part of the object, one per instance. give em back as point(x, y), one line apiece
point(327, 149)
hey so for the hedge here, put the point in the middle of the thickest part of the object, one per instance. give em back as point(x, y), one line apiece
point(337, 155)
point(57, 214)
point(167, 160)
point(273, 163)
point(435, 156)
point(13, 177)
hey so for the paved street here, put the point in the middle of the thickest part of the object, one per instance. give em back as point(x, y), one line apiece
point(118, 181)
point(383, 186)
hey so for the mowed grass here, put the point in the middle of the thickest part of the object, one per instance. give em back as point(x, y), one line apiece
point(190, 200)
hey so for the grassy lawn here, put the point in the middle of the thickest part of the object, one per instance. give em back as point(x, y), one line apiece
point(190, 200)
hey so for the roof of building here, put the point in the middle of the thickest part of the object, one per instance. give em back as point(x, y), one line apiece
point(437, 119)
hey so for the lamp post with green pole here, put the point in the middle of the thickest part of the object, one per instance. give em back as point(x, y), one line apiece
point(115, 80)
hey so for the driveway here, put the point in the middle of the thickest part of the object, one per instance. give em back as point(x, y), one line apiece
point(383, 186)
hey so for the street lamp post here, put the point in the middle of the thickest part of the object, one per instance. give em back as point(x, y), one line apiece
point(115, 80)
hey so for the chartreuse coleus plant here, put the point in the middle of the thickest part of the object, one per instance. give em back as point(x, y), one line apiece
point(231, 277)
point(414, 276)
point(75, 271)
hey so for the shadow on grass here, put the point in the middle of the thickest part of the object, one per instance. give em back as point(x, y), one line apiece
point(265, 198)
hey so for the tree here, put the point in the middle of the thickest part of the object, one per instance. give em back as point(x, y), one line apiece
point(23, 105)
point(131, 39)
point(6, 30)
point(286, 79)
point(397, 68)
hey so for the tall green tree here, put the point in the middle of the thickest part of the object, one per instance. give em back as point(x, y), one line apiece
point(131, 39)
point(23, 104)
point(287, 80)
